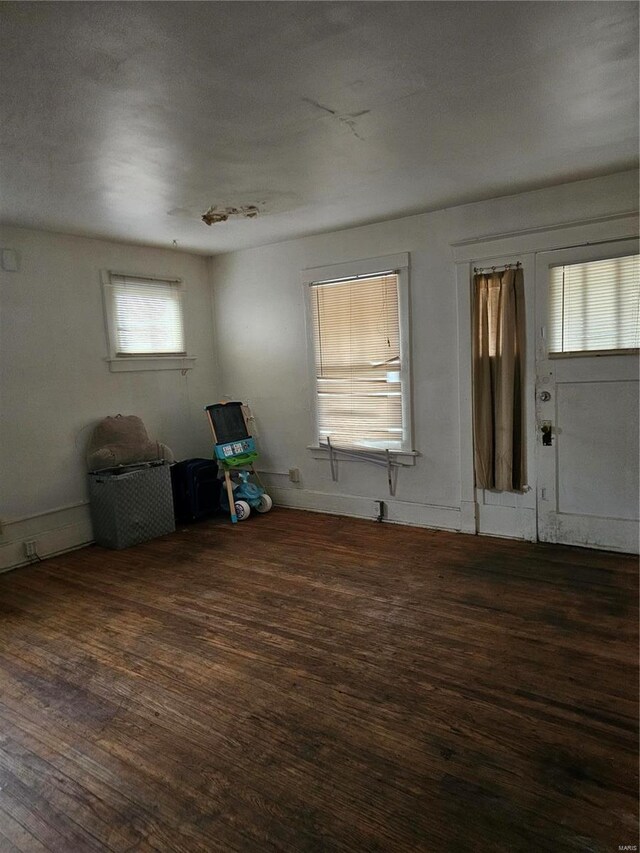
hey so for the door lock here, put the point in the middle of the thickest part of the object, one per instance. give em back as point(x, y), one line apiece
point(547, 433)
point(545, 396)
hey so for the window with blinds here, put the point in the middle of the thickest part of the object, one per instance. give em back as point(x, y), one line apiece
point(356, 338)
point(146, 317)
point(595, 306)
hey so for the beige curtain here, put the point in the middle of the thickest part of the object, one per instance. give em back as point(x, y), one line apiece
point(498, 378)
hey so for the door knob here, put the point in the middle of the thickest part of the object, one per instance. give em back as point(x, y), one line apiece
point(547, 433)
point(544, 396)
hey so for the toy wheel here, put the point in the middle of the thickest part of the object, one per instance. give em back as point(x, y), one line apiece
point(243, 510)
point(265, 504)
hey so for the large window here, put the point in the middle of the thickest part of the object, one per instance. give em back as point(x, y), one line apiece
point(595, 306)
point(360, 361)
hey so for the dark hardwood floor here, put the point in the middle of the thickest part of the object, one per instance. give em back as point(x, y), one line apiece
point(309, 683)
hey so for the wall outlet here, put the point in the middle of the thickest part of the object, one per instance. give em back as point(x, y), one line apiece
point(30, 548)
point(294, 475)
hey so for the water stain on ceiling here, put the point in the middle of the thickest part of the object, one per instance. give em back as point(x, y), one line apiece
point(220, 214)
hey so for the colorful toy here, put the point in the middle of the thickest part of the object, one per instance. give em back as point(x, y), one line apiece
point(236, 452)
point(247, 496)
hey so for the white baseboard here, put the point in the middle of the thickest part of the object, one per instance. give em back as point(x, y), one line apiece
point(54, 533)
point(356, 506)
point(69, 528)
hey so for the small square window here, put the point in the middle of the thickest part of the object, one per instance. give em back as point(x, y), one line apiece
point(595, 306)
point(145, 320)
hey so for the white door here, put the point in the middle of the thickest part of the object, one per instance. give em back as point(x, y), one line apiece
point(586, 409)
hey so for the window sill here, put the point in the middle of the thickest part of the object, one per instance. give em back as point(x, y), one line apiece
point(323, 453)
point(136, 363)
point(594, 353)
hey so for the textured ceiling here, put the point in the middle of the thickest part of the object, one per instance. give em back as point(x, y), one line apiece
point(130, 120)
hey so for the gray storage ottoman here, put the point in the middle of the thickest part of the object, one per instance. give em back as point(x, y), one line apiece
point(131, 504)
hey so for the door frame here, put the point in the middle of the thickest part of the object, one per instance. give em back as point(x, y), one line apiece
point(520, 519)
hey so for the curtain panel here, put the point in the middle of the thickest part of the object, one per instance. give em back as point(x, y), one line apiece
point(498, 379)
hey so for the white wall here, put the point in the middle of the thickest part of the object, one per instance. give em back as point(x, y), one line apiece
point(55, 383)
point(262, 343)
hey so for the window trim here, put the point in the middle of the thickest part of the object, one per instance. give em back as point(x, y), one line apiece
point(134, 362)
point(399, 263)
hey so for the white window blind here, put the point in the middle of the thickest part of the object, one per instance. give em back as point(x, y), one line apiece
point(147, 317)
point(357, 356)
point(595, 306)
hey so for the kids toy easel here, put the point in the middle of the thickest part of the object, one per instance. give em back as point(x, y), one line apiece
point(235, 448)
